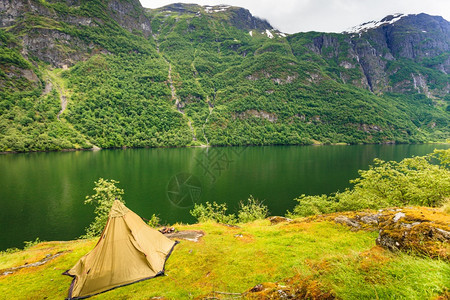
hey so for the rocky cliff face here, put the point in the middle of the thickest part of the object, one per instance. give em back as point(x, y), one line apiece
point(130, 15)
point(244, 20)
point(238, 17)
point(400, 53)
point(50, 30)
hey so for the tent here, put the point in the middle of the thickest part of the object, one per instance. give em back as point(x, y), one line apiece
point(128, 251)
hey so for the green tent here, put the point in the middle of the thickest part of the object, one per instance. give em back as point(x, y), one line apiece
point(128, 251)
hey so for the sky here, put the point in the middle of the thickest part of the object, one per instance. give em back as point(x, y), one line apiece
point(293, 16)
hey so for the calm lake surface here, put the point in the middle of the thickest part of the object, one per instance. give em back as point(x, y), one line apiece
point(42, 194)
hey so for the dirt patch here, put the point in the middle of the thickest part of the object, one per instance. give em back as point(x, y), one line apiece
point(243, 237)
point(188, 235)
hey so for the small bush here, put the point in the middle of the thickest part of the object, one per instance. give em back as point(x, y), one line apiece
point(313, 205)
point(252, 210)
point(154, 221)
point(9, 251)
point(249, 211)
point(212, 212)
point(30, 244)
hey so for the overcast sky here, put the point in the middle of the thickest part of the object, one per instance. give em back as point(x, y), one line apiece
point(292, 16)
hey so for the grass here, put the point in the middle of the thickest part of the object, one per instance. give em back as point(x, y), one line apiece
point(231, 259)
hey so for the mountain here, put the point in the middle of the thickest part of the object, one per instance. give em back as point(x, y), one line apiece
point(110, 73)
point(400, 53)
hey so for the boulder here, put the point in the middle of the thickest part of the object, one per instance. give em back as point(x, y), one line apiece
point(277, 219)
point(424, 230)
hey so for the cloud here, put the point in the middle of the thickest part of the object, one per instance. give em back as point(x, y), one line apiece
point(323, 15)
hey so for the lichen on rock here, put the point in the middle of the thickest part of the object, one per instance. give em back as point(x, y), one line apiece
point(424, 230)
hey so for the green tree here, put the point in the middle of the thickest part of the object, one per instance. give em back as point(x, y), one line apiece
point(106, 192)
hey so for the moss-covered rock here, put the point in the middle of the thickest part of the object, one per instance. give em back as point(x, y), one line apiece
point(425, 230)
point(421, 229)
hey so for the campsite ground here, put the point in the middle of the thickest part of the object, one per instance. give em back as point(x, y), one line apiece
point(318, 258)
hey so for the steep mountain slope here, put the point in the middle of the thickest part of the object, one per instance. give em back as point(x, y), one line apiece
point(189, 75)
point(52, 34)
point(401, 53)
point(262, 88)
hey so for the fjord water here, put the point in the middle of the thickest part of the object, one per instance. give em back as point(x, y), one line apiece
point(42, 194)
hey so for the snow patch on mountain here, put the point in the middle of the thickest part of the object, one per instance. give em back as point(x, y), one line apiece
point(215, 9)
point(391, 19)
point(269, 34)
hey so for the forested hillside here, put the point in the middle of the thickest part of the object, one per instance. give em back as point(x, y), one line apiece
point(78, 74)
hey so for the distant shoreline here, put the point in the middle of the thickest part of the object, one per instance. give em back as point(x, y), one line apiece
point(219, 146)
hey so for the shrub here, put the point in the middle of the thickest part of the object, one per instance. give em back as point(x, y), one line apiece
point(313, 205)
point(154, 221)
point(249, 211)
point(212, 212)
point(9, 251)
point(422, 180)
point(105, 194)
point(252, 210)
point(30, 244)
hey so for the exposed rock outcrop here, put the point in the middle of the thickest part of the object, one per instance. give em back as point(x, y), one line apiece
point(129, 14)
point(44, 32)
point(277, 219)
point(424, 230)
point(421, 229)
point(374, 51)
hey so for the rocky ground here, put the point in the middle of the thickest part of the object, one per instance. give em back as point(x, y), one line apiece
point(423, 230)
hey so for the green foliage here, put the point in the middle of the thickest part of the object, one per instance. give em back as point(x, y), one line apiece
point(313, 205)
point(106, 192)
point(443, 156)
point(9, 251)
point(154, 221)
point(30, 244)
point(212, 212)
point(28, 123)
point(10, 51)
point(412, 181)
point(122, 100)
point(249, 211)
point(403, 69)
point(252, 210)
